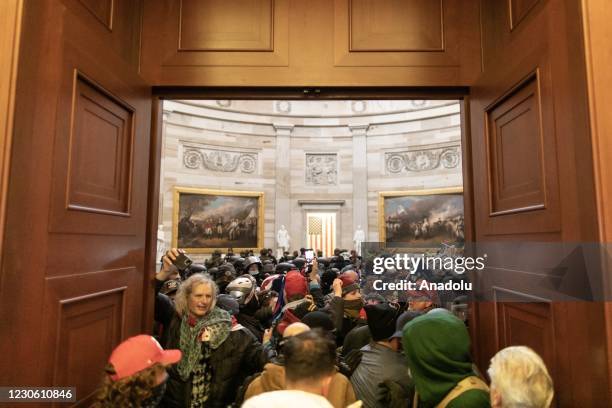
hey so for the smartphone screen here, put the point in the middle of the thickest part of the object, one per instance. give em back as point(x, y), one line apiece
point(309, 255)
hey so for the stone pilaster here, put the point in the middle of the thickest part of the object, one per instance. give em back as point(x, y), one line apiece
point(360, 178)
point(282, 199)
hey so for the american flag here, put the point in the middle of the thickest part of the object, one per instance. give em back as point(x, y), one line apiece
point(322, 233)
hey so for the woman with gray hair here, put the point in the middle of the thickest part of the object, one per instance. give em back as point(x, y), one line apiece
point(216, 358)
point(519, 379)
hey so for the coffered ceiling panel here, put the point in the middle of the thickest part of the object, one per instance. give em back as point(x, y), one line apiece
point(396, 25)
point(217, 25)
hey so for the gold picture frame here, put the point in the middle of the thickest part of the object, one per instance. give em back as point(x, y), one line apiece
point(385, 223)
point(228, 213)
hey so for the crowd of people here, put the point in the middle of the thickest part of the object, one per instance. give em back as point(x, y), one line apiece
point(254, 331)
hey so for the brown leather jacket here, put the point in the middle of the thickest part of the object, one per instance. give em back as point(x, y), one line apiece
point(272, 378)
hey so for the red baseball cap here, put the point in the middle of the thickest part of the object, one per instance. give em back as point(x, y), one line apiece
point(139, 353)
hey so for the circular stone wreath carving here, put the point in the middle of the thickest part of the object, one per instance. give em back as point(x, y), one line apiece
point(247, 164)
point(358, 106)
point(283, 106)
point(449, 158)
point(192, 159)
point(395, 163)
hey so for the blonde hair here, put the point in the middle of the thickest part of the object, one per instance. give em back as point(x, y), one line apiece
point(520, 376)
point(181, 300)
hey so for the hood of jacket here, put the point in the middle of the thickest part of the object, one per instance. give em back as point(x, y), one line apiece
point(437, 347)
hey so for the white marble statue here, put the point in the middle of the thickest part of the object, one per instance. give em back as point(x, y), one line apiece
point(358, 238)
point(282, 239)
point(161, 244)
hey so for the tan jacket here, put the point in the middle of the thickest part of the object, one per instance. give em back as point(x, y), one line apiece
point(272, 378)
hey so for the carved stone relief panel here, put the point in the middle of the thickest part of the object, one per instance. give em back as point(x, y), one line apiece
point(213, 158)
point(419, 159)
point(321, 169)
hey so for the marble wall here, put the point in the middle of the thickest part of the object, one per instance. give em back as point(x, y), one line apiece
point(310, 156)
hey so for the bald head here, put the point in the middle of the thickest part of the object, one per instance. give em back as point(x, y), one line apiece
point(294, 329)
point(353, 275)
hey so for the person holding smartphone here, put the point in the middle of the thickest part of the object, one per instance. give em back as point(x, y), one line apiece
point(216, 359)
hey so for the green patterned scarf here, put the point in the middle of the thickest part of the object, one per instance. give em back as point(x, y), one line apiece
point(202, 378)
point(218, 323)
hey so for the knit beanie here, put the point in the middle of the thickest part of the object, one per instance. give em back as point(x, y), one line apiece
point(320, 320)
point(350, 282)
point(381, 320)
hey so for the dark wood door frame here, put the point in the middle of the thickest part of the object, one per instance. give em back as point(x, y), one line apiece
point(273, 93)
point(311, 93)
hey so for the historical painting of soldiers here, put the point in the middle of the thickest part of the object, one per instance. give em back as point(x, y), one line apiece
point(206, 220)
point(428, 219)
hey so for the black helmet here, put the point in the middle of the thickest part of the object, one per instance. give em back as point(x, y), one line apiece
point(228, 303)
point(198, 268)
point(252, 260)
point(214, 271)
point(224, 275)
point(232, 258)
point(242, 289)
point(227, 268)
point(195, 268)
point(284, 267)
point(238, 263)
point(299, 263)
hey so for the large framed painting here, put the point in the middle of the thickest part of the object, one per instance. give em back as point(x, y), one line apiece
point(425, 219)
point(206, 220)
